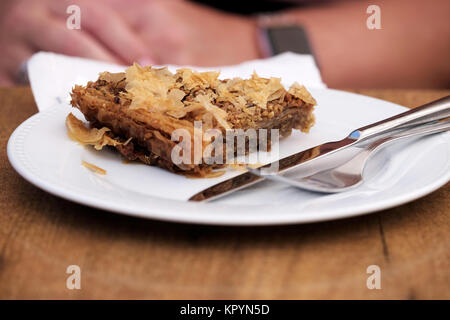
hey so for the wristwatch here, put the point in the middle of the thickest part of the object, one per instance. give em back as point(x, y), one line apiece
point(279, 33)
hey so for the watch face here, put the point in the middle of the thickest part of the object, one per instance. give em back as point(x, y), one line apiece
point(289, 38)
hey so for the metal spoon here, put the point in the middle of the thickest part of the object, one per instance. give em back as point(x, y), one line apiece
point(350, 174)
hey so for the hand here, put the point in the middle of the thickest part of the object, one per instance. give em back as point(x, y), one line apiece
point(184, 33)
point(27, 26)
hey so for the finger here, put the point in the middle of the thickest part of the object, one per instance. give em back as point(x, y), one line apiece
point(51, 34)
point(5, 81)
point(14, 56)
point(112, 30)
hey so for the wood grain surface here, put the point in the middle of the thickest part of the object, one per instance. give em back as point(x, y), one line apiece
point(124, 257)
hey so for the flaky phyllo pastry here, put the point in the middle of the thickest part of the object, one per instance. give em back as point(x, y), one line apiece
point(137, 112)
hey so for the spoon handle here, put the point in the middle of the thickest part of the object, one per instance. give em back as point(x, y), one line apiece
point(415, 131)
point(357, 163)
point(433, 111)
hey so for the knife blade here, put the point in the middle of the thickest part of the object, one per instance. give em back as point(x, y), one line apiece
point(427, 113)
point(247, 179)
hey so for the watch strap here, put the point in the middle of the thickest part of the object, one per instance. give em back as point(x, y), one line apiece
point(279, 33)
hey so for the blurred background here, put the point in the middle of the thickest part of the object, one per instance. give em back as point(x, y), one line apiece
point(355, 43)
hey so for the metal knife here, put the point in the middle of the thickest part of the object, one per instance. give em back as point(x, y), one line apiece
point(433, 111)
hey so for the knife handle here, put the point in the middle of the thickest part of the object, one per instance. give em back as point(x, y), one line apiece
point(433, 111)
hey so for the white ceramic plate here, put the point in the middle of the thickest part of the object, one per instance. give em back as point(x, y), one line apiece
point(41, 152)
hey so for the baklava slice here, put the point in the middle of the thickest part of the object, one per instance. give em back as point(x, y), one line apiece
point(137, 112)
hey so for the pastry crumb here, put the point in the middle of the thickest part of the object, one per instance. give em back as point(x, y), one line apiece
point(93, 167)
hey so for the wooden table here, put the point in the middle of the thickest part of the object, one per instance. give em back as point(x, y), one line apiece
point(123, 257)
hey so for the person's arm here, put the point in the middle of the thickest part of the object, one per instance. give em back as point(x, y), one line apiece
point(411, 50)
